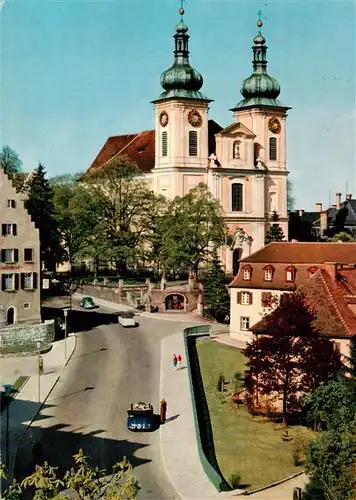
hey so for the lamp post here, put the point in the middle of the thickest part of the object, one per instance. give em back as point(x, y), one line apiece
point(65, 311)
point(38, 345)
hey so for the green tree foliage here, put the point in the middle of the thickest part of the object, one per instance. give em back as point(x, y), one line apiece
point(194, 230)
point(10, 161)
point(274, 232)
point(83, 481)
point(216, 295)
point(41, 209)
point(125, 206)
point(291, 359)
point(342, 236)
point(290, 196)
point(332, 456)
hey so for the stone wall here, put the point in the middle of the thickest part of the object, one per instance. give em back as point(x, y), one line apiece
point(27, 334)
point(103, 292)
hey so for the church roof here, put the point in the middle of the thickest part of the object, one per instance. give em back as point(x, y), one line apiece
point(139, 148)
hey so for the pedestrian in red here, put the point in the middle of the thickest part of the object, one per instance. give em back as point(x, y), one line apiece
point(162, 410)
point(175, 360)
point(179, 359)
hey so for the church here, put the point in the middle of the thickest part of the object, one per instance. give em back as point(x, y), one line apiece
point(244, 164)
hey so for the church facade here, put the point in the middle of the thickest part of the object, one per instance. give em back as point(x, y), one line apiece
point(243, 164)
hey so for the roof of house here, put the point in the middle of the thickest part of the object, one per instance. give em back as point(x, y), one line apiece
point(334, 303)
point(304, 253)
point(139, 148)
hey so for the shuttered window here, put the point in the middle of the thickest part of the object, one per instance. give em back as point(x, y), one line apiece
point(193, 143)
point(273, 148)
point(165, 143)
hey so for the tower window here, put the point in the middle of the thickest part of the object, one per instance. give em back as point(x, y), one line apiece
point(164, 143)
point(236, 197)
point(193, 143)
point(273, 148)
point(236, 150)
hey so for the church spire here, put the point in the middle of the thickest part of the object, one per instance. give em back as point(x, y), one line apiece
point(259, 89)
point(181, 80)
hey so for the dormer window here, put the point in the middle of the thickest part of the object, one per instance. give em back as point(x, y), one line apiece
point(247, 271)
point(268, 273)
point(312, 270)
point(290, 274)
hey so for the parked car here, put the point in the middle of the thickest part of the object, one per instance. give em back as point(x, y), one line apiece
point(88, 303)
point(140, 417)
point(127, 318)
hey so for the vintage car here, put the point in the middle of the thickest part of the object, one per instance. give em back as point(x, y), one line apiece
point(140, 417)
point(88, 303)
point(127, 318)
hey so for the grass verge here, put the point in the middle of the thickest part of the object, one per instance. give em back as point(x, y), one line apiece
point(244, 445)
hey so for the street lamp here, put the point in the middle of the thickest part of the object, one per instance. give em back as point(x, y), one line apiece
point(38, 345)
point(65, 311)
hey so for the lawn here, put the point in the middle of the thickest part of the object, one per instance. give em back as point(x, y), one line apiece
point(244, 445)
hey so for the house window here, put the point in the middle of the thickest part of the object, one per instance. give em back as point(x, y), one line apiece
point(337, 346)
point(9, 229)
point(266, 298)
point(28, 255)
point(8, 282)
point(273, 148)
point(193, 143)
point(9, 255)
point(311, 271)
point(27, 281)
point(236, 197)
point(244, 323)
point(268, 275)
point(236, 150)
point(245, 298)
point(11, 203)
point(165, 143)
point(247, 274)
point(26, 305)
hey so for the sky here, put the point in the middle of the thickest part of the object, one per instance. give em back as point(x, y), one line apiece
point(75, 72)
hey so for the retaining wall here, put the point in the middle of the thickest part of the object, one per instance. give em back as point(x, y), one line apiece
point(23, 334)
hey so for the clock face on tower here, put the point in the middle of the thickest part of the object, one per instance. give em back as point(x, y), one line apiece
point(274, 125)
point(194, 118)
point(163, 119)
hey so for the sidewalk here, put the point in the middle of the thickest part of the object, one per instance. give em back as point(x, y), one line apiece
point(29, 400)
point(178, 438)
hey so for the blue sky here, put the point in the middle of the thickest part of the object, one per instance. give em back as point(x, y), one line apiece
point(75, 72)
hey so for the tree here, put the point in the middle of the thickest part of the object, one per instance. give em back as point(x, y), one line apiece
point(10, 161)
point(216, 295)
point(196, 229)
point(290, 359)
point(290, 197)
point(41, 209)
point(274, 232)
point(342, 236)
point(124, 205)
point(83, 480)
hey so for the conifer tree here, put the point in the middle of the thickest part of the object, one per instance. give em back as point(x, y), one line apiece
point(216, 295)
point(275, 232)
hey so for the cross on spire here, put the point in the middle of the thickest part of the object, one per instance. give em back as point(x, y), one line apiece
point(259, 13)
point(182, 4)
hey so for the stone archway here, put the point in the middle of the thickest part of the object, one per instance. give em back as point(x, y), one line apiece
point(236, 256)
point(175, 302)
point(10, 316)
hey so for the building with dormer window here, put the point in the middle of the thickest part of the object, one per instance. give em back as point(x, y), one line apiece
point(282, 267)
point(243, 164)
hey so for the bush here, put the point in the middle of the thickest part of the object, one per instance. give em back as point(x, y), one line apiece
point(300, 450)
point(234, 480)
point(221, 383)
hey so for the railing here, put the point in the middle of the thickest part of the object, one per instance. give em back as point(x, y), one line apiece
point(201, 414)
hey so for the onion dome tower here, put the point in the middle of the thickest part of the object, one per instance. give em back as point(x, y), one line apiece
point(181, 80)
point(259, 89)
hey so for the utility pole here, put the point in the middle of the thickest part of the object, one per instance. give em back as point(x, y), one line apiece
point(65, 311)
point(38, 344)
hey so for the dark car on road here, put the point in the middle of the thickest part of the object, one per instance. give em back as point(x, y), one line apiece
point(88, 303)
point(140, 417)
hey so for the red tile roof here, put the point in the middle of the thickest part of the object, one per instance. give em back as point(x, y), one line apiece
point(311, 252)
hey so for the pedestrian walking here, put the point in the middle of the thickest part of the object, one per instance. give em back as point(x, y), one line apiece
point(175, 361)
point(40, 365)
point(179, 359)
point(162, 410)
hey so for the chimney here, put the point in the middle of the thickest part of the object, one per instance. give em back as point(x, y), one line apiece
point(319, 207)
point(323, 222)
point(349, 196)
point(300, 212)
point(338, 200)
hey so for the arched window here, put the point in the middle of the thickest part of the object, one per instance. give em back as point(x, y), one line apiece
point(193, 143)
point(236, 197)
point(236, 149)
point(273, 148)
point(164, 143)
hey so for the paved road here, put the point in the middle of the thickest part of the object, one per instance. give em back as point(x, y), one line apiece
point(111, 367)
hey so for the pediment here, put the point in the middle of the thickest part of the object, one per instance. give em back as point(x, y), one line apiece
point(236, 129)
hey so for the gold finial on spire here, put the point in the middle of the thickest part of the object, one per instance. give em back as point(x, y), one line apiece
point(181, 10)
point(260, 15)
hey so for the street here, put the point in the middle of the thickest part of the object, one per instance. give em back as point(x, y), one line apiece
point(111, 367)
